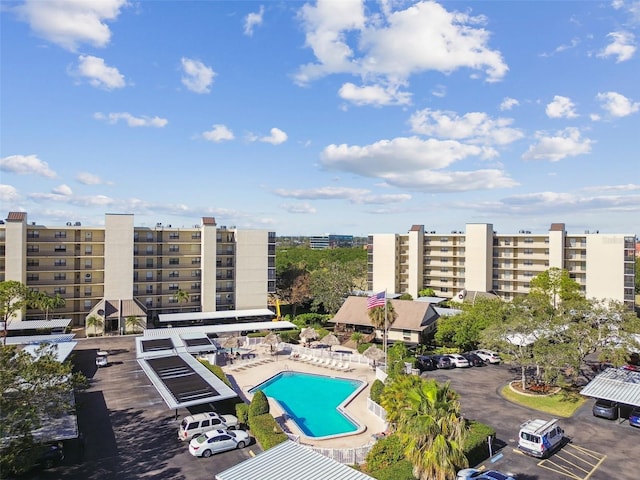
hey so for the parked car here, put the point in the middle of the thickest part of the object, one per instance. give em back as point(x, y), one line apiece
point(474, 360)
point(634, 417)
point(425, 362)
point(458, 360)
point(193, 425)
point(540, 437)
point(442, 361)
point(215, 441)
point(475, 474)
point(605, 409)
point(488, 356)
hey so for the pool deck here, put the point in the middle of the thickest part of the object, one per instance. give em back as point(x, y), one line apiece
point(248, 375)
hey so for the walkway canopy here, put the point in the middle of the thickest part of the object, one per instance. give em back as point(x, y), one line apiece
point(219, 316)
point(615, 384)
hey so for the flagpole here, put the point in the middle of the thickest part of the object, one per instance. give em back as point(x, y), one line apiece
point(386, 364)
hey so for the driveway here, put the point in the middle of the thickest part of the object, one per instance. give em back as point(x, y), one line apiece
point(129, 433)
point(597, 448)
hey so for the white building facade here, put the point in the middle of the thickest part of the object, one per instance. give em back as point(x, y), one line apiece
point(220, 268)
point(481, 260)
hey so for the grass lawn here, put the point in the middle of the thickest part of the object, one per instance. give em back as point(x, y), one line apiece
point(563, 404)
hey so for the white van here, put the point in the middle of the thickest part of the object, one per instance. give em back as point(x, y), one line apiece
point(540, 437)
point(194, 425)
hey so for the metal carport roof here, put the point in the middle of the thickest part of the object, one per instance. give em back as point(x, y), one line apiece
point(224, 328)
point(291, 461)
point(615, 384)
point(218, 315)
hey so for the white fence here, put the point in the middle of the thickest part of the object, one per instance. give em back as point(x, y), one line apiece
point(376, 409)
point(348, 456)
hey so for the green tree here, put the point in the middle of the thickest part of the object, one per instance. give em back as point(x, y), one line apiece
point(429, 424)
point(358, 338)
point(330, 285)
point(556, 286)
point(182, 296)
point(14, 296)
point(427, 292)
point(377, 317)
point(259, 404)
point(46, 302)
point(95, 322)
point(134, 323)
point(36, 389)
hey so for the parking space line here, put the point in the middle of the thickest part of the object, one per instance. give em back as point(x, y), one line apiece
point(573, 461)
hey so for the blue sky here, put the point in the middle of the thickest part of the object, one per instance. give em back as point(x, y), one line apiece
point(306, 118)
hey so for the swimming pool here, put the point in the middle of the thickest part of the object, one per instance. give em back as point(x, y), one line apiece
point(315, 402)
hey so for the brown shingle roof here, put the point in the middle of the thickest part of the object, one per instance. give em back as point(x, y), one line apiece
point(16, 216)
point(208, 221)
point(414, 316)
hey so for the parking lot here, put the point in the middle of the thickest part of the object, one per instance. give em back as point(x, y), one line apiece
point(129, 433)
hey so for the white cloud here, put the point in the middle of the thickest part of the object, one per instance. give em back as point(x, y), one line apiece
point(98, 73)
point(508, 103)
point(442, 182)
point(8, 193)
point(622, 46)
point(71, 23)
point(218, 133)
point(617, 105)
point(324, 193)
point(384, 199)
point(26, 165)
point(130, 120)
point(561, 48)
point(477, 127)
point(197, 76)
point(401, 154)
point(87, 178)
point(298, 208)
point(376, 95)
point(63, 189)
point(395, 44)
point(276, 137)
point(566, 143)
point(252, 20)
point(561, 107)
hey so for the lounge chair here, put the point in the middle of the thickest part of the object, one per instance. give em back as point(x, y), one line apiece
point(346, 367)
point(327, 363)
point(334, 365)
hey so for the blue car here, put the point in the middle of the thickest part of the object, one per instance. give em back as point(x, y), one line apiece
point(634, 417)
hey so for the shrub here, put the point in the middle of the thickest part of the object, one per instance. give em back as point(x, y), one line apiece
point(266, 431)
point(405, 296)
point(476, 447)
point(218, 372)
point(289, 336)
point(312, 318)
point(242, 412)
point(259, 404)
point(402, 470)
point(376, 390)
point(386, 452)
point(363, 346)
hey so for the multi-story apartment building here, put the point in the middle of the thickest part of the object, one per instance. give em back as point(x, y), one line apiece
point(144, 267)
point(481, 260)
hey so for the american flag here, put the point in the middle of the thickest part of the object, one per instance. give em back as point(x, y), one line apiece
point(377, 300)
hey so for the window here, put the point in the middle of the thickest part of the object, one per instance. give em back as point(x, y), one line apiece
point(528, 274)
point(149, 262)
point(174, 274)
point(33, 277)
point(149, 250)
point(528, 262)
point(195, 261)
point(88, 249)
point(174, 248)
point(444, 259)
point(60, 248)
point(173, 286)
point(149, 276)
point(195, 298)
point(33, 234)
point(88, 263)
point(149, 288)
point(173, 299)
point(507, 241)
point(174, 235)
point(195, 236)
point(60, 276)
point(60, 262)
point(444, 249)
point(87, 304)
point(444, 239)
point(195, 286)
point(174, 261)
point(195, 273)
point(148, 302)
point(59, 291)
point(149, 236)
point(528, 251)
point(87, 236)
point(444, 280)
point(528, 240)
point(33, 248)
point(33, 262)
point(61, 235)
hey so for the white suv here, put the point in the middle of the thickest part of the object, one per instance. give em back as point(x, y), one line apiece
point(540, 437)
point(488, 356)
point(194, 425)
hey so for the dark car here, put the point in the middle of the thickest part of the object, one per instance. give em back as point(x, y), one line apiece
point(634, 417)
point(425, 362)
point(442, 361)
point(605, 409)
point(474, 360)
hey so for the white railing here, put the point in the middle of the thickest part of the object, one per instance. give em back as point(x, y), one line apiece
point(376, 409)
point(348, 456)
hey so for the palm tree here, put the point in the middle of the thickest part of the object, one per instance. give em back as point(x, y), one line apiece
point(182, 296)
point(377, 317)
point(95, 322)
point(357, 337)
point(429, 424)
point(133, 322)
point(45, 302)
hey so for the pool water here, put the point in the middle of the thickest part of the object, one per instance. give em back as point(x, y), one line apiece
point(312, 401)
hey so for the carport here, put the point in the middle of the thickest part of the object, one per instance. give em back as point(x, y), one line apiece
point(616, 384)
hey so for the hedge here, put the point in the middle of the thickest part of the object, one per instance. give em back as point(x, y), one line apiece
point(259, 404)
point(402, 470)
point(376, 390)
point(266, 431)
point(218, 372)
point(476, 446)
point(385, 453)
